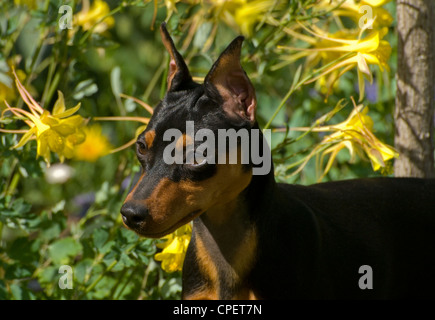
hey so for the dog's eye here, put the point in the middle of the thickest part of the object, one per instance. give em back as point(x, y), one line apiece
point(141, 147)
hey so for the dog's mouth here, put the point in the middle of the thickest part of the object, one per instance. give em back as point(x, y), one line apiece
point(140, 231)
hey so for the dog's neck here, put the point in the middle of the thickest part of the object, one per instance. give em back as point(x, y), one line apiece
point(224, 249)
point(225, 239)
point(235, 217)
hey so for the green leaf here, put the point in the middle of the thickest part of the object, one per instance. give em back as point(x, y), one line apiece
point(22, 250)
point(18, 209)
point(124, 262)
point(20, 293)
point(170, 287)
point(202, 35)
point(3, 292)
point(100, 237)
point(111, 257)
point(48, 275)
point(115, 81)
point(127, 237)
point(143, 259)
point(82, 269)
point(84, 88)
point(51, 225)
point(62, 250)
point(17, 291)
point(103, 194)
point(101, 243)
point(296, 77)
point(18, 271)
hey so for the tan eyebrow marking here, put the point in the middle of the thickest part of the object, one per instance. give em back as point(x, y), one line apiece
point(183, 141)
point(149, 138)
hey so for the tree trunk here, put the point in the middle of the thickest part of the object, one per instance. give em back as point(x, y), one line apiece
point(415, 100)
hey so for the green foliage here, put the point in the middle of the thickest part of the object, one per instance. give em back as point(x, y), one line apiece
point(108, 261)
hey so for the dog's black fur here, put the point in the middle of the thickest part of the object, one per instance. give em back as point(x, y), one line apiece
point(262, 239)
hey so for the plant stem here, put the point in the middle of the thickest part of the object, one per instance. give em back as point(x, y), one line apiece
point(295, 86)
point(108, 269)
point(101, 276)
point(89, 32)
point(154, 80)
point(133, 272)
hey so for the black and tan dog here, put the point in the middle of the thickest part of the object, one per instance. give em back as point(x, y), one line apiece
point(255, 238)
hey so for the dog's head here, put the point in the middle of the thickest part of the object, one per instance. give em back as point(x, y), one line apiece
point(180, 179)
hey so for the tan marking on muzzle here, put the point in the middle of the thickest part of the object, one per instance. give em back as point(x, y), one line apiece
point(172, 203)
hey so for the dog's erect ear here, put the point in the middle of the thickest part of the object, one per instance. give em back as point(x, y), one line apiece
point(178, 75)
point(230, 80)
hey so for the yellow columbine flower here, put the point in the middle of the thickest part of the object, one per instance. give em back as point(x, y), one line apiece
point(91, 15)
point(247, 15)
point(31, 4)
point(354, 10)
point(343, 54)
point(242, 14)
point(95, 146)
point(355, 134)
point(59, 131)
point(174, 249)
point(375, 3)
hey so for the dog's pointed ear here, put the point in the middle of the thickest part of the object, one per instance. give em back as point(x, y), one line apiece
point(228, 78)
point(178, 75)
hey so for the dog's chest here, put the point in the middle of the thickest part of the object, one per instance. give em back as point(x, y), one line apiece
point(220, 274)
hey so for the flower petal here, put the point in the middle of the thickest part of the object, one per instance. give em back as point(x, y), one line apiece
point(375, 158)
point(361, 85)
point(376, 3)
point(69, 112)
point(43, 150)
point(362, 64)
point(55, 141)
point(59, 105)
point(25, 138)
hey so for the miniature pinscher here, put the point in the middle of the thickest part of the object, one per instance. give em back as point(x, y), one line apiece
point(254, 238)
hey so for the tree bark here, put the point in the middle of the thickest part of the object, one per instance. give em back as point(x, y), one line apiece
point(415, 100)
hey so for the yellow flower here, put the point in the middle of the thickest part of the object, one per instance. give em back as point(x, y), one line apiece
point(355, 134)
point(91, 15)
point(247, 15)
point(59, 131)
point(174, 249)
point(31, 4)
point(339, 53)
point(354, 10)
point(95, 146)
point(241, 14)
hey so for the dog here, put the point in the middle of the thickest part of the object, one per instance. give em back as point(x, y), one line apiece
point(254, 238)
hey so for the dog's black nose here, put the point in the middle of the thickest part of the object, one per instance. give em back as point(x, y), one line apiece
point(133, 214)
